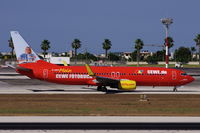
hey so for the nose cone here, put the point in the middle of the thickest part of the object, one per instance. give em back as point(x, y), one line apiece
point(190, 79)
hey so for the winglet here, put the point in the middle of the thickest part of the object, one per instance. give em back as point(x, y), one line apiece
point(9, 65)
point(89, 70)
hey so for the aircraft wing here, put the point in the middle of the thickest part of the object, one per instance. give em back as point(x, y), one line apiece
point(124, 84)
point(10, 66)
point(100, 79)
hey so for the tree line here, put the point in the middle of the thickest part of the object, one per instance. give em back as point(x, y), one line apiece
point(182, 54)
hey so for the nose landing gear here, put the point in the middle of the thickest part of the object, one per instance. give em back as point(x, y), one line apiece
point(175, 89)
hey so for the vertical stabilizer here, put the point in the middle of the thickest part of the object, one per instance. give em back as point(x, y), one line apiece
point(24, 52)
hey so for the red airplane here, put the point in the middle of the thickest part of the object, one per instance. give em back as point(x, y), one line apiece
point(124, 78)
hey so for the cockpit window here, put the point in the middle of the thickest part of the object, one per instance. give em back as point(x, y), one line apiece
point(183, 74)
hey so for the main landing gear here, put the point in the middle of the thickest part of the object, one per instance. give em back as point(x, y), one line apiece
point(175, 89)
point(102, 88)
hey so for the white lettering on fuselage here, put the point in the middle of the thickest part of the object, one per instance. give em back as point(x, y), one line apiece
point(73, 76)
point(156, 72)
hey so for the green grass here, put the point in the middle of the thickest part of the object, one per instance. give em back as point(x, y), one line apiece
point(148, 65)
point(154, 65)
point(100, 105)
point(163, 65)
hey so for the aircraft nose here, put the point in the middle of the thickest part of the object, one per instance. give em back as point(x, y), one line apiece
point(191, 79)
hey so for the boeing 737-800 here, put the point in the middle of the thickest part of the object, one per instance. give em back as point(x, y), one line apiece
point(124, 78)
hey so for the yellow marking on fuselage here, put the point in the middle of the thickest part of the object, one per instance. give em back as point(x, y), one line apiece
point(65, 70)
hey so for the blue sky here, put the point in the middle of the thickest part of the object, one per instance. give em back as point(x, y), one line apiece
point(91, 21)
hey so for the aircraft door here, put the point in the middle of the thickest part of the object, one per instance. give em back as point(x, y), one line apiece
point(113, 74)
point(45, 73)
point(117, 74)
point(173, 75)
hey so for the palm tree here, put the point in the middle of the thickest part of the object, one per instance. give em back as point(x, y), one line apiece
point(106, 46)
point(11, 45)
point(45, 45)
point(170, 42)
point(192, 49)
point(76, 44)
point(197, 40)
point(138, 46)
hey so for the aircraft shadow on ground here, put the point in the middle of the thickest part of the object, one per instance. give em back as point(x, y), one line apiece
point(58, 90)
point(49, 90)
point(109, 91)
point(139, 91)
point(145, 91)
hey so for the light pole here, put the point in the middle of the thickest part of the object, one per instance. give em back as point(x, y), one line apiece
point(167, 22)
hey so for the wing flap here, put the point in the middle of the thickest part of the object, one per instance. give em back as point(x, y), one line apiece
point(106, 80)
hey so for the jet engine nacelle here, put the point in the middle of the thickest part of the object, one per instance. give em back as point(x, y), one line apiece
point(127, 85)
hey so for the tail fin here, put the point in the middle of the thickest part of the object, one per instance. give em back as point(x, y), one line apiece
point(23, 51)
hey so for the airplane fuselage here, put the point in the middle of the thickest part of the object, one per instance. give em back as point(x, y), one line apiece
point(78, 75)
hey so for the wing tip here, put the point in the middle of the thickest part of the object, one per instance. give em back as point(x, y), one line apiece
point(89, 70)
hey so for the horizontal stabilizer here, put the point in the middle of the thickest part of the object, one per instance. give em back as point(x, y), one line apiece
point(24, 69)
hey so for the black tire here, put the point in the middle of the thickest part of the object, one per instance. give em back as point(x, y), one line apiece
point(99, 88)
point(175, 89)
point(104, 89)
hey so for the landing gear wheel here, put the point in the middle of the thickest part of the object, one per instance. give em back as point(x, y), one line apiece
point(99, 88)
point(104, 89)
point(175, 89)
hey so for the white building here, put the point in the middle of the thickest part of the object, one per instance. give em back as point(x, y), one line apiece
point(59, 60)
point(127, 55)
